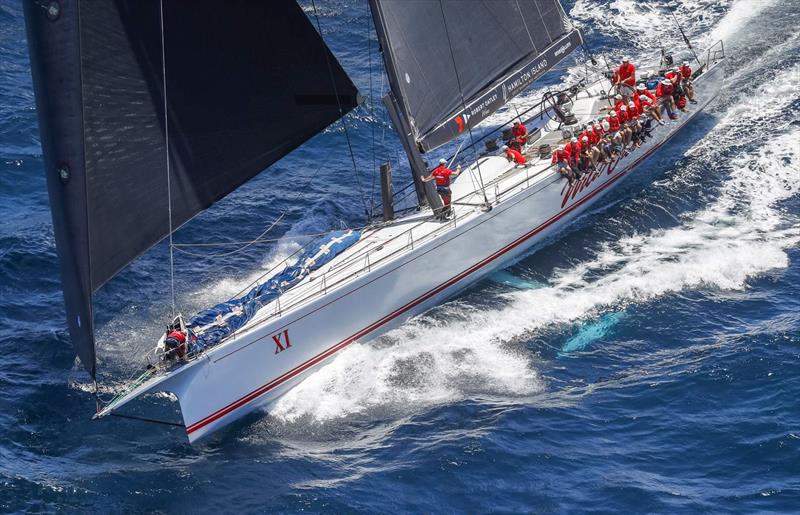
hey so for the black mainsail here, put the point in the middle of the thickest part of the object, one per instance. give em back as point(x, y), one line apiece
point(242, 83)
point(452, 63)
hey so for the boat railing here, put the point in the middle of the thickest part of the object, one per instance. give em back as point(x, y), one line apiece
point(715, 53)
point(372, 255)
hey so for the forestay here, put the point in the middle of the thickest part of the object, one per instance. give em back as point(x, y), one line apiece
point(452, 63)
point(246, 83)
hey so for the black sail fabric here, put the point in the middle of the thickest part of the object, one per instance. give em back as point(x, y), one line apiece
point(247, 81)
point(443, 55)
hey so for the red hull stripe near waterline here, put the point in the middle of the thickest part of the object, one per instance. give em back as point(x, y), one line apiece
point(375, 325)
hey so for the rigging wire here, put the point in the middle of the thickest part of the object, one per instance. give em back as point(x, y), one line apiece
point(463, 103)
point(236, 251)
point(166, 144)
point(341, 113)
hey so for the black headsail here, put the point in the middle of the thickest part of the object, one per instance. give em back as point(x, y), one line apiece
point(452, 63)
point(246, 83)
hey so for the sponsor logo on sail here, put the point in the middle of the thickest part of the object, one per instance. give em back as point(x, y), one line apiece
point(563, 48)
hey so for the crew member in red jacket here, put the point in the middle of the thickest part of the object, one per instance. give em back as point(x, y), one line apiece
point(679, 91)
point(514, 155)
point(613, 122)
point(649, 103)
point(572, 150)
point(686, 71)
point(520, 133)
point(562, 159)
point(175, 345)
point(664, 93)
point(625, 77)
point(443, 175)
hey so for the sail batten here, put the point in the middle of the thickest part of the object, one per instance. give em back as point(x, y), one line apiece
point(445, 58)
point(247, 82)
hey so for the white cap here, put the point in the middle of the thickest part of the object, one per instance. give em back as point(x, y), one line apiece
point(574, 140)
point(631, 104)
point(618, 96)
point(585, 138)
point(590, 127)
point(641, 87)
point(666, 82)
point(561, 147)
point(686, 63)
point(606, 125)
point(442, 161)
point(613, 113)
point(599, 125)
point(623, 108)
point(642, 97)
point(504, 147)
point(626, 59)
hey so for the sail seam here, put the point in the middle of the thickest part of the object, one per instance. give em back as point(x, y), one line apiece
point(525, 24)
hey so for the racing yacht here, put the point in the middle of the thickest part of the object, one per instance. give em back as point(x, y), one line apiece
point(130, 158)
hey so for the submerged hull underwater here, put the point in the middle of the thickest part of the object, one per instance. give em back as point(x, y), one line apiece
point(417, 270)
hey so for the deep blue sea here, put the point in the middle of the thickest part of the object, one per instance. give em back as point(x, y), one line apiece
point(647, 360)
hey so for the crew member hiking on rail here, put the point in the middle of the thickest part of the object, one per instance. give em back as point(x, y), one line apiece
point(561, 159)
point(664, 93)
point(442, 175)
point(686, 71)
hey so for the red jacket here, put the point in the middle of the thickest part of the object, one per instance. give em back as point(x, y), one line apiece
point(516, 156)
point(442, 175)
point(594, 137)
point(613, 121)
point(561, 156)
point(571, 149)
point(599, 133)
point(664, 91)
point(675, 77)
point(177, 335)
point(686, 71)
point(649, 94)
point(626, 74)
point(520, 132)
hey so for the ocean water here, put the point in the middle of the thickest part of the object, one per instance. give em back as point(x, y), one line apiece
point(646, 360)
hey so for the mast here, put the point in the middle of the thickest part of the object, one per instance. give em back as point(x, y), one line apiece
point(426, 192)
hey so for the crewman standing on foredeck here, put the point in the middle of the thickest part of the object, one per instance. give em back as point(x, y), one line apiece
point(443, 175)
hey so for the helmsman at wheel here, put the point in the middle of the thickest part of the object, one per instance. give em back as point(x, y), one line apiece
point(442, 175)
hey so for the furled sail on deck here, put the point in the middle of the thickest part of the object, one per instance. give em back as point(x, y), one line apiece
point(452, 63)
point(246, 83)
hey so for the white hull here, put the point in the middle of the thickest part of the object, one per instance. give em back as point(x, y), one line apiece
point(410, 271)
